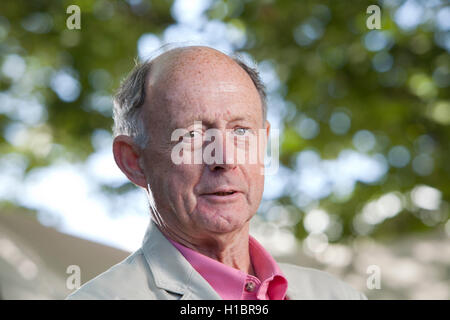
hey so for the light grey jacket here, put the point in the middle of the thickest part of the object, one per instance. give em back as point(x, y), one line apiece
point(159, 271)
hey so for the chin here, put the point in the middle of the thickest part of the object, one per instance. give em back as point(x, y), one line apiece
point(222, 221)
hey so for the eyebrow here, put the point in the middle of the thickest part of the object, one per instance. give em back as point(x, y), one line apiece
point(209, 123)
point(240, 119)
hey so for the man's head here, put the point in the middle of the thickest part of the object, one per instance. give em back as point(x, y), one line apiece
point(170, 92)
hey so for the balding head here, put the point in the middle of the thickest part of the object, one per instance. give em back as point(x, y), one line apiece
point(154, 81)
point(187, 62)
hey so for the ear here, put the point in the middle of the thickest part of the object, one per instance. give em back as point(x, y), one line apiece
point(267, 127)
point(127, 156)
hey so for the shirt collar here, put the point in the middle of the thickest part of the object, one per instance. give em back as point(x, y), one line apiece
point(273, 283)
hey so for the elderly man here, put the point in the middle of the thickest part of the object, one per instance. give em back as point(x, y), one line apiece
point(198, 245)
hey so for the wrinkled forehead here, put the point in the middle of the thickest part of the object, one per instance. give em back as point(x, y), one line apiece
point(197, 74)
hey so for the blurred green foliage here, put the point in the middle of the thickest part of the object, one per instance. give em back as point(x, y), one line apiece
point(319, 50)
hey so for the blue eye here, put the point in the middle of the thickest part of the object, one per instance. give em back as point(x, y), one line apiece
point(241, 131)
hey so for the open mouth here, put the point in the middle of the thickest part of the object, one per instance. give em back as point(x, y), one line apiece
point(223, 193)
point(222, 196)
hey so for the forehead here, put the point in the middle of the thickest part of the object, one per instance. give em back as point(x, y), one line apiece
point(210, 102)
point(198, 87)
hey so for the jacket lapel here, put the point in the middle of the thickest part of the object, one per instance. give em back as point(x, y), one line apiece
point(171, 271)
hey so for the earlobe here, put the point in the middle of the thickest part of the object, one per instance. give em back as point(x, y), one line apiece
point(127, 156)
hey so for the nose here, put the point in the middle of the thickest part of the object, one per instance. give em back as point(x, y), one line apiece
point(224, 153)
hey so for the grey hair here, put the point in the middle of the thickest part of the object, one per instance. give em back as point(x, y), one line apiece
point(130, 97)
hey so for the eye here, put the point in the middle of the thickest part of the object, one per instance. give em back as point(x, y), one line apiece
point(193, 134)
point(241, 131)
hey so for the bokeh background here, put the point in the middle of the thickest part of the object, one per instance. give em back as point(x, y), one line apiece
point(363, 115)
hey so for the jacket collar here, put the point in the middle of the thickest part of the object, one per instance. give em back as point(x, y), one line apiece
point(170, 270)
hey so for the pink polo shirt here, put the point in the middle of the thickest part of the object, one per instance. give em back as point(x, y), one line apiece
point(234, 284)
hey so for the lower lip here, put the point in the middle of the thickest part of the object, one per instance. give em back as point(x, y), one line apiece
point(217, 198)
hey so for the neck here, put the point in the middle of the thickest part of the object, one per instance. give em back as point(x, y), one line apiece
point(231, 249)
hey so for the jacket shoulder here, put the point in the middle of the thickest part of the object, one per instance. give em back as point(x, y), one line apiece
point(129, 279)
point(307, 283)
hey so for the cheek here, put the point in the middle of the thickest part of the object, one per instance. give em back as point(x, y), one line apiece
point(171, 182)
point(174, 192)
point(182, 179)
point(255, 182)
